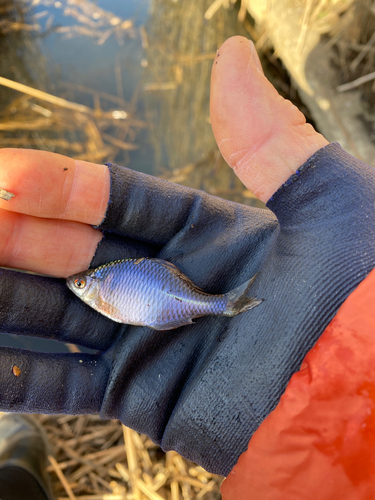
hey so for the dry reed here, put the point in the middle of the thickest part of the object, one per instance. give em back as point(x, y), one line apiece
point(104, 460)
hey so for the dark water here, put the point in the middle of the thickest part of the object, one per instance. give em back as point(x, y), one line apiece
point(157, 67)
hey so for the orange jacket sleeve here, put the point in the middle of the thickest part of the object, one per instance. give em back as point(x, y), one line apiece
point(319, 442)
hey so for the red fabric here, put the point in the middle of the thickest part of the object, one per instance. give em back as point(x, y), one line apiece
point(319, 442)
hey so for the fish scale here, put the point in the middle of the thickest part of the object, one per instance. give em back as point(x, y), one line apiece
point(153, 292)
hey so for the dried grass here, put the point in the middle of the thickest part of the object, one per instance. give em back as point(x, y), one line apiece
point(38, 119)
point(85, 19)
point(49, 122)
point(103, 460)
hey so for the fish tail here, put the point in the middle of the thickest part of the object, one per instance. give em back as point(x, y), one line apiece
point(238, 302)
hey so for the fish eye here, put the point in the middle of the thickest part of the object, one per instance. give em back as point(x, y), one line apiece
point(80, 283)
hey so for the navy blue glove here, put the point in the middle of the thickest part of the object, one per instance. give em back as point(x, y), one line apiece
point(203, 389)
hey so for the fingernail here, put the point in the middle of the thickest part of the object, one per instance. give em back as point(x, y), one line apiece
point(255, 58)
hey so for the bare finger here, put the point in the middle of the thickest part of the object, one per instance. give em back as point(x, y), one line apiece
point(48, 246)
point(54, 186)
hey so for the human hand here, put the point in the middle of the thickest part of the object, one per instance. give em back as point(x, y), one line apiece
point(202, 389)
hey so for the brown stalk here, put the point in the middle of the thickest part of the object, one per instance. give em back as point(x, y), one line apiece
point(62, 478)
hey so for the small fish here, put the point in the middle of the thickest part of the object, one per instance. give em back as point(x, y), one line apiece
point(154, 293)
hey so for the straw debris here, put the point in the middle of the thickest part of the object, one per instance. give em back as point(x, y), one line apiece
point(36, 118)
point(39, 119)
point(95, 459)
point(6, 195)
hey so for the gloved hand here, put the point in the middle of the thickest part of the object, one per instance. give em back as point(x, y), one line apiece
point(203, 389)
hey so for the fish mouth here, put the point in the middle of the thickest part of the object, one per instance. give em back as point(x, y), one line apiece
point(69, 283)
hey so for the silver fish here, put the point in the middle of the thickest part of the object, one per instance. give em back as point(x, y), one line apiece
point(154, 293)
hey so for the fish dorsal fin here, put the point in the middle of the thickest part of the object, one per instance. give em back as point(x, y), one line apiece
point(182, 276)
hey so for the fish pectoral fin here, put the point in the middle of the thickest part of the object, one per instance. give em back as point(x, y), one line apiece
point(172, 324)
point(111, 312)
